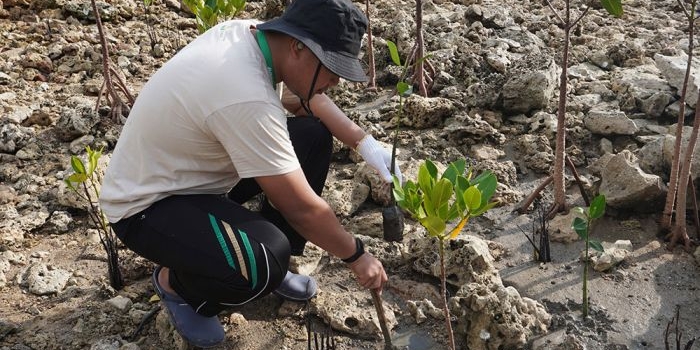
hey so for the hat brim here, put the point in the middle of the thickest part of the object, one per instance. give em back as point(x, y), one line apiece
point(342, 64)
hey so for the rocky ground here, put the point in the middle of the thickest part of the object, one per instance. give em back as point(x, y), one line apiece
point(493, 101)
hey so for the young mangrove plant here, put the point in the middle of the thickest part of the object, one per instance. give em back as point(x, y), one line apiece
point(113, 82)
point(84, 181)
point(209, 12)
point(680, 175)
point(372, 73)
point(392, 218)
point(582, 226)
point(436, 200)
point(567, 22)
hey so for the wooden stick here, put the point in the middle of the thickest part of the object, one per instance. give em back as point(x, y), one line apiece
point(382, 319)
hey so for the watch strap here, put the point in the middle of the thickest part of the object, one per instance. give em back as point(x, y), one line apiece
point(359, 250)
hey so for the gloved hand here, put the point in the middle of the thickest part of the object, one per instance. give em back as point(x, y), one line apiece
point(378, 158)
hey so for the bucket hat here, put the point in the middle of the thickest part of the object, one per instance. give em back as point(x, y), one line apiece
point(331, 29)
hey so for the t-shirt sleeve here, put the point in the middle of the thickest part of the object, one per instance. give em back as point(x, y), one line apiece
point(256, 138)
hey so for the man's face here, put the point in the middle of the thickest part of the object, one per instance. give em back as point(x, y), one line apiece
point(305, 67)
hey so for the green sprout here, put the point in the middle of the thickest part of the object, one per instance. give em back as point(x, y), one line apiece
point(582, 226)
point(209, 12)
point(86, 179)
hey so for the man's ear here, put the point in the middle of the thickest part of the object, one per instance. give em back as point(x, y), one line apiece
point(298, 45)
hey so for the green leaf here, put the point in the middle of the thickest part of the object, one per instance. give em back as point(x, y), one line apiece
point(483, 209)
point(442, 192)
point(77, 178)
point(443, 211)
point(487, 185)
point(77, 165)
point(597, 208)
point(147, 2)
point(472, 198)
point(462, 184)
point(404, 89)
point(418, 61)
point(461, 165)
point(395, 181)
point(580, 211)
point(596, 245)
point(581, 228)
point(93, 159)
point(239, 4)
point(451, 173)
point(434, 225)
point(454, 212)
point(393, 52)
point(614, 7)
point(70, 185)
point(432, 168)
point(398, 194)
point(425, 181)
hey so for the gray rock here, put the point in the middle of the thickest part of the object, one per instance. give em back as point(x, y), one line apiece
point(530, 87)
point(351, 312)
point(626, 186)
point(83, 10)
point(656, 104)
point(39, 279)
point(426, 112)
point(59, 221)
point(585, 71)
point(609, 122)
point(14, 137)
point(636, 85)
point(109, 343)
point(345, 196)
point(673, 69)
point(120, 303)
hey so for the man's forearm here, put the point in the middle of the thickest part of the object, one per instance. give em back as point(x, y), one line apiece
point(342, 127)
point(321, 227)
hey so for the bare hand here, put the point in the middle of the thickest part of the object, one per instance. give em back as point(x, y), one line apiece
point(369, 272)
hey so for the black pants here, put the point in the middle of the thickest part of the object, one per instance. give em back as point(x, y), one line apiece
point(313, 145)
point(221, 254)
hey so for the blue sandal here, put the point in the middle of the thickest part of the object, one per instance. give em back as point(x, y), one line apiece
point(198, 330)
point(296, 287)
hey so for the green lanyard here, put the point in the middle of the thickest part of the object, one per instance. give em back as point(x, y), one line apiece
point(265, 48)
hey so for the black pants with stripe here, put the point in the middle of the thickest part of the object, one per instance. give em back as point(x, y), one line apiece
point(221, 254)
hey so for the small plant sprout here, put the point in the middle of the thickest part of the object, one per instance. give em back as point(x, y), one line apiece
point(437, 200)
point(403, 90)
point(392, 217)
point(86, 180)
point(582, 226)
point(210, 12)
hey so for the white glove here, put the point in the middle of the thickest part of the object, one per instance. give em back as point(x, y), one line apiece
point(378, 158)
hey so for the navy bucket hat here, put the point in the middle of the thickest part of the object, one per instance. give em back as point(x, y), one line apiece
point(331, 29)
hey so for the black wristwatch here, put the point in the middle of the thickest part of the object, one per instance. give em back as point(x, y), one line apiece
point(359, 250)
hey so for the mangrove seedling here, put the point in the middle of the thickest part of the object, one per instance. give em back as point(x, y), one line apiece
point(209, 12)
point(567, 22)
point(680, 172)
point(582, 226)
point(392, 218)
point(439, 199)
point(84, 181)
point(113, 82)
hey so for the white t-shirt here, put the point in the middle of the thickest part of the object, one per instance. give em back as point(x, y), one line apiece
point(209, 117)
